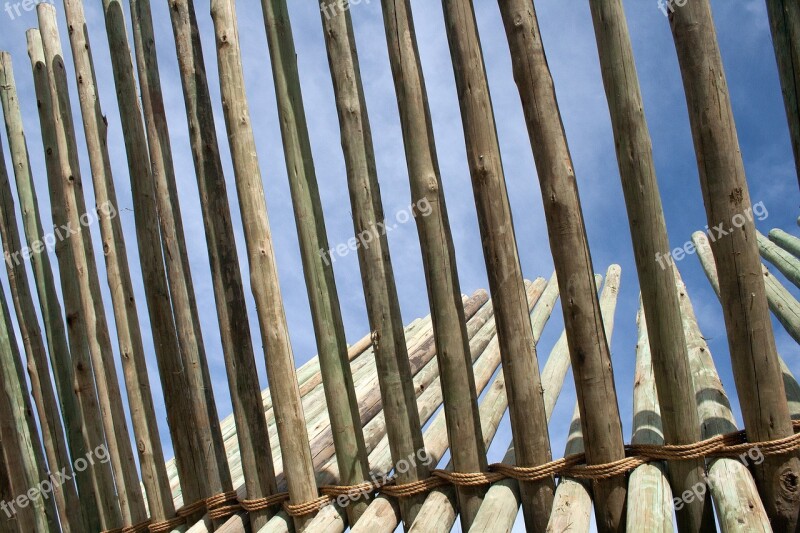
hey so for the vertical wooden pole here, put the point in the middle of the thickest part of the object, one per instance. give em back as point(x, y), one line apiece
point(60, 358)
point(668, 353)
point(383, 308)
point(169, 216)
point(140, 400)
point(452, 344)
point(55, 446)
point(21, 442)
point(652, 507)
point(284, 389)
point(69, 193)
point(83, 384)
point(187, 414)
point(731, 485)
point(253, 438)
point(756, 367)
point(784, 21)
point(351, 452)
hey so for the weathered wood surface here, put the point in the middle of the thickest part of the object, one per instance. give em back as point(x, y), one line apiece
point(651, 509)
point(788, 242)
point(650, 244)
point(323, 297)
point(788, 265)
point(572, 505)
point(131, 347)
point(754, 356)
point(83, 384)
point(67, 190)
point(784, 22)
point(438, 253)
point(234, 326)
point(736, 500)
point(287, 403)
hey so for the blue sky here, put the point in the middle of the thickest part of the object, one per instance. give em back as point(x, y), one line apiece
point(568, 36)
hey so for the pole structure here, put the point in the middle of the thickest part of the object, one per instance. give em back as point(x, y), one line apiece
point(436, 240)
point(68, 190)
point(784, 22)
point(351, 452)
point(134, 364)
point(751, 341)
point(377, 275)
point(661, 308)
point(284, 389)
point(83, 382)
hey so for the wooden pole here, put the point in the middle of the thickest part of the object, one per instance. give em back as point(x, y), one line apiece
point(134, 364)
point(652, 508)
point(253, 438)
point(783, 260)
point(172, 237)
point(784, 21)
point(756, 366)
point(650, 243)
point(323, 297)
point(436, 240)
point(732, 487)
point(781, 302)
point(288, 408)
point(68, 190)
point(187, 414)
point(55, 446)
point(21, 443)
point(788, 242)
point(83, 384)
point(383, 308)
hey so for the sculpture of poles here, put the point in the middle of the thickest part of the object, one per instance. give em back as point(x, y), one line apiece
point(436, 240)
point(284, 390)
point(756, 366)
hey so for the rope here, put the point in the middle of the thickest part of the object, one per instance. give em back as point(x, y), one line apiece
point(731, 445)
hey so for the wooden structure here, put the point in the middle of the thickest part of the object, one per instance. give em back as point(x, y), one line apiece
point(355, 437)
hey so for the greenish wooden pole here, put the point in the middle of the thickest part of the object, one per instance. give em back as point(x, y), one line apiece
point(783, 260)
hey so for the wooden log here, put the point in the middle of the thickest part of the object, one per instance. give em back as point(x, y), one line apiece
point(784, 22)
point(788, 242)
point(732, 487)
point(187, 414)
point(131, 347)
point(292, 432)
point(377, 275)
point(176, 258)
point(83, 383)
point(526, 407)
point(252, 436)
point(652, 508)
point(501, 505)
point(60, 359)
point(783, 260)
point(22, 446)
point(572, 504)
point(323, 297)
point(68, 189)
point(438, 253)
point(650, 244)
point(783, 305)
point(756, 365)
